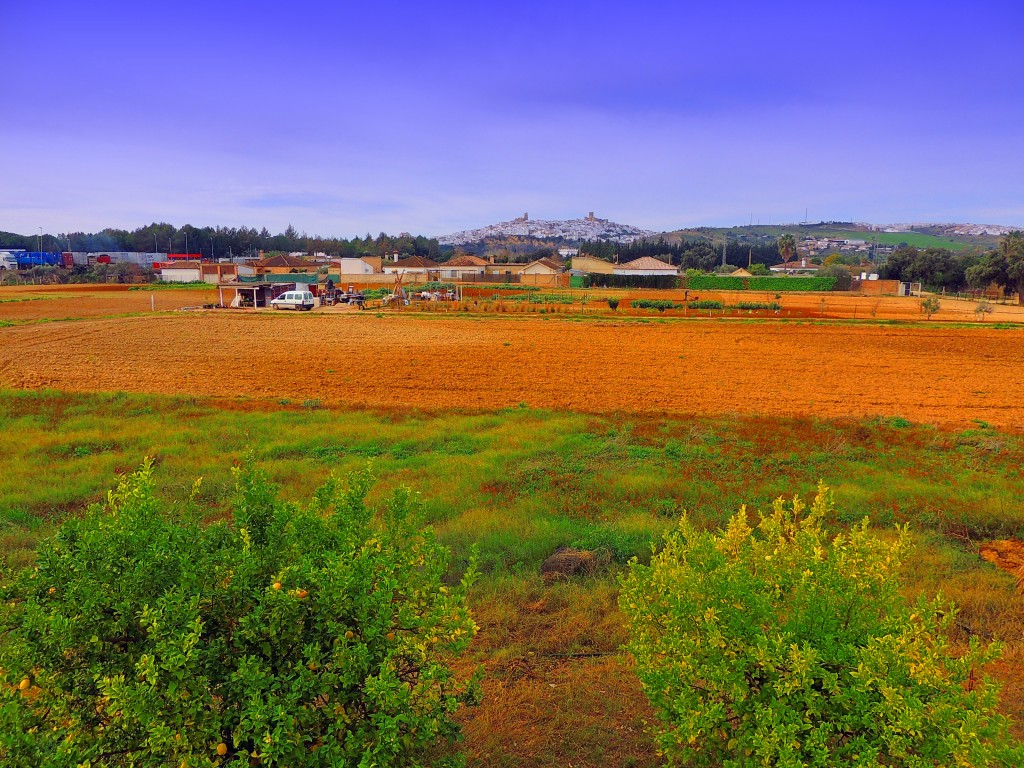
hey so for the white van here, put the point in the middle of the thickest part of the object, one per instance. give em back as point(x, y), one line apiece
point(293, 300)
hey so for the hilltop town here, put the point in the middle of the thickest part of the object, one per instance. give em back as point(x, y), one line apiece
point(588, 228)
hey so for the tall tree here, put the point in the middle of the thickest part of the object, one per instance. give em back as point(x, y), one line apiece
point(787, 247)
point(1005, 266)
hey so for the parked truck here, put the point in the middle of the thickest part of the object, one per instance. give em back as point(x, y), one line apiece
point(21, 259)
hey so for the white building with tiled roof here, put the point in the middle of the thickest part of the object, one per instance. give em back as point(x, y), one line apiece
point(645, 265)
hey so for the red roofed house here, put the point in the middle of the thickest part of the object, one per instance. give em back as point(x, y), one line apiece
point(283, 265)
point(460, 266)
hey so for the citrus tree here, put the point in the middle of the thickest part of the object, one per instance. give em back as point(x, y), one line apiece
point(778, 646)
point(930, 306)
point(290, 635)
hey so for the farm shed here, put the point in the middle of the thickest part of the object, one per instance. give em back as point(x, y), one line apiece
point(182, 272)
point(258, 290)
point(235, 294)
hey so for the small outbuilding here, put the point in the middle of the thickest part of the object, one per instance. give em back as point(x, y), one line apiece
point(182, 272)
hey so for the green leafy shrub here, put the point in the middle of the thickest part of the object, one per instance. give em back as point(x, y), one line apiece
point(930, 306)
point(778, 646)
point(659, 304)
point(768, 284)
point(289, 636)
point(613, 303)
point(774, 305)
point(705, 304)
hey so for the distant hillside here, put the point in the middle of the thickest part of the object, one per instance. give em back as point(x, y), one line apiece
point(569, 230)
point(954, 237)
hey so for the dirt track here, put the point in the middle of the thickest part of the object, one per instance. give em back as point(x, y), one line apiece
point(937, 375)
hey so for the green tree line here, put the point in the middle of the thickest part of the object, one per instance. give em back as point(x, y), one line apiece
point(220, 242)
point(688, 254)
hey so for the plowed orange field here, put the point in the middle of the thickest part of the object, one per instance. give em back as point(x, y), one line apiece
point(29, 302)
point(928, 374)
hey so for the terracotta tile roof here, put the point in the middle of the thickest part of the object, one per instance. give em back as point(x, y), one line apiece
point(413, 262)
point(183, 265)
point(549, 263)
point(284, 261)
point(466, 260)
point(647, 262)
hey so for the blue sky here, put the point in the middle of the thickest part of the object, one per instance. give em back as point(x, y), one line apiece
point(342, 118)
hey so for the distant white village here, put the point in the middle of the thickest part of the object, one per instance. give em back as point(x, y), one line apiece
point(588, 228)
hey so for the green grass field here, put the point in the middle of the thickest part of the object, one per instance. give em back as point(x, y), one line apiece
point(916, 239)
point(518, 484)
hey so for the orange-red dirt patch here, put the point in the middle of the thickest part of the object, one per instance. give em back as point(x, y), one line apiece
point(947, 376)
point(1007, 555)
point(57, 302)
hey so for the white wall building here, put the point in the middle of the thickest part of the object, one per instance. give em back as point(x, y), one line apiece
point(182, 272)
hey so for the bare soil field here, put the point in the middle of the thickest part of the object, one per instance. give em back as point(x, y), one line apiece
point(833, 305)
point(56, 302)
point(939, 375)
